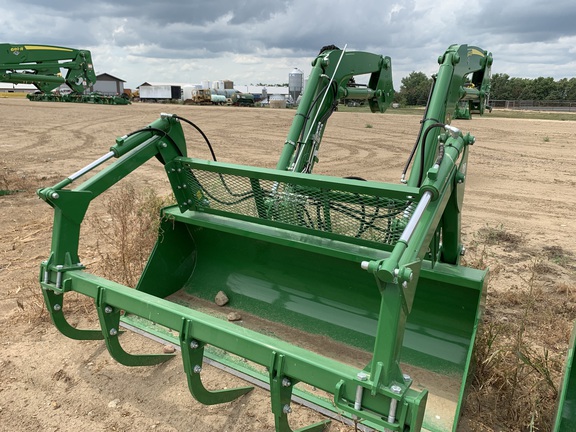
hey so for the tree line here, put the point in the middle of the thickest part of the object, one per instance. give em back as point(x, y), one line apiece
point(415, 88)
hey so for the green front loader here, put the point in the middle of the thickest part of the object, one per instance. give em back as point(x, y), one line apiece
point(351, 292)
point(42, 66)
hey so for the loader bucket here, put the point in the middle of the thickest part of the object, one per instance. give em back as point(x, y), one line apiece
point(294, 280)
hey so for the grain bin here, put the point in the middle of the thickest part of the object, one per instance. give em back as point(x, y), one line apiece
point(295, 83)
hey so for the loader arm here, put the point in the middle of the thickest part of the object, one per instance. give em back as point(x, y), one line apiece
point(327, 84)
point(451, 85)
point(463, 75)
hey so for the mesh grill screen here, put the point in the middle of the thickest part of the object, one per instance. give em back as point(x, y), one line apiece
point(341, 212)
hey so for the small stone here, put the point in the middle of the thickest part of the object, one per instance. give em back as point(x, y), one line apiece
point(114, 403)
point(55, 405)
point(221, 298)
point(234, 316)
point(168, 349)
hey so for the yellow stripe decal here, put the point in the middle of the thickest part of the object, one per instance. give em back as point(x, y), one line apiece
point(473, 51)
point(48, 48)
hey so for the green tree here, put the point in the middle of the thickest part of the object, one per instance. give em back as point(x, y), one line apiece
point(543, 88)
point(519, 88)
point(571, 89)
point(415, 89)
point(500, 87)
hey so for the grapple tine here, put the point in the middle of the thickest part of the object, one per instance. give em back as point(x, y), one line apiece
point(55, 304)
point(109, 317)
point(281, 395)
point(192, 357)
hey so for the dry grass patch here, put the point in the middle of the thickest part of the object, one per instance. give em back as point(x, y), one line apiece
point(515, 384)
point(127, 231)
point(12, 182)
point(498, 236)
point(559, 256)
point(521, 345)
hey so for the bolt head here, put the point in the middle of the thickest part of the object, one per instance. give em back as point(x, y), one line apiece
point(108, 309)
point(57, 307)
point(55, 195)
point(406, 377)
point(286, 382)
point(113, 332)
point(362, 376)
point(194, 344)
point(286, 409)
point(396, 389)
point(197, 369)
point(404, 284)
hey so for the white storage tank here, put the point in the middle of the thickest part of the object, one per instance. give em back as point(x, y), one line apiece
point(295, 83)
point(187, 91)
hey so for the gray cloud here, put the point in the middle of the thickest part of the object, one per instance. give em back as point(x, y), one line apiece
point(529, 21)
point(193, 12)
point(129, 37)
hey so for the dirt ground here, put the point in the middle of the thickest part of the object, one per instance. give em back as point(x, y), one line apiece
point(521, 181)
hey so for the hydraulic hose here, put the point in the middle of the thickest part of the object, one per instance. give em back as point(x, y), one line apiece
point(423, 149)
point(424, 119)
point(243, 196)
point(201, 133)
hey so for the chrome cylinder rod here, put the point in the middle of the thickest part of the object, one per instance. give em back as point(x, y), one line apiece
point(416, 216)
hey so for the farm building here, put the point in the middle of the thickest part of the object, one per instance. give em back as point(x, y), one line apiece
point(108, 85)
point(258, 91)
point(17, 88)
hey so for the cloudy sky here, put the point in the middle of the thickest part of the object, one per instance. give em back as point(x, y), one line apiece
point(252, 41)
